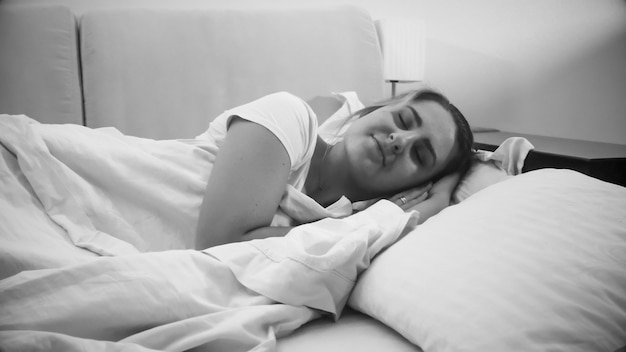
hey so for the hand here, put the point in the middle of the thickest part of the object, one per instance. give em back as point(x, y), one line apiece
point(445, 186)
point(432, 199)
point(410, 198)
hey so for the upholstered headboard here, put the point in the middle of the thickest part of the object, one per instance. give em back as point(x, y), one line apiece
point(39, 70)
point(168, 73)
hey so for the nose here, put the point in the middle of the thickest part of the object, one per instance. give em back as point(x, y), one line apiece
point(401, 140)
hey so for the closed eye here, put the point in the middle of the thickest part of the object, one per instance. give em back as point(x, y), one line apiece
point(400, 121)
point(424, 153)
point(417, 156)
point(416, 116)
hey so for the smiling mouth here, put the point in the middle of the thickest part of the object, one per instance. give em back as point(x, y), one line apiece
point(380, 148)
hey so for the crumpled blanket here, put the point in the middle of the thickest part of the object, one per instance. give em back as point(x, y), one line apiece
point(77, 274)
point(108, 193)
point(235, 297)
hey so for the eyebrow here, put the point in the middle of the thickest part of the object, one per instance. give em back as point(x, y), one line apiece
point(427, 143)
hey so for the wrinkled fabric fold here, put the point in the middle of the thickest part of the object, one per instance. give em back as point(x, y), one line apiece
point(239, 296)
point(510, 155)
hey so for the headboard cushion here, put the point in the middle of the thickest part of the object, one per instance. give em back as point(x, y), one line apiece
point(168, 73)
point(39, 72)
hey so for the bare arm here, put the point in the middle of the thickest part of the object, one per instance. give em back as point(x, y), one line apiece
point(245, 186)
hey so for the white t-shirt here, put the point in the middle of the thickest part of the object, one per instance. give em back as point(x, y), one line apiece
point(294, 123)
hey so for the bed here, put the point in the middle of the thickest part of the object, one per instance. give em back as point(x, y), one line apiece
point(522, 262)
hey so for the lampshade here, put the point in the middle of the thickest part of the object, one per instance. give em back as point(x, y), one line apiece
point(403, 49)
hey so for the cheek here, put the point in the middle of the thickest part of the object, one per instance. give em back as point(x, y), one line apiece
point(404, 175)
point(356, 156)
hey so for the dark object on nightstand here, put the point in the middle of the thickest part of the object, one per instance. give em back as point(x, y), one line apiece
point(604, 161)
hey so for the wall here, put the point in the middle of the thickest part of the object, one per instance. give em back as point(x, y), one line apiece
point(547, 67)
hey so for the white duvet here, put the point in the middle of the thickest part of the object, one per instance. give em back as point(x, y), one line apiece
point(94, 226)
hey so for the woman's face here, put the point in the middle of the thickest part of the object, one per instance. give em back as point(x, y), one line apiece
point(399, 146)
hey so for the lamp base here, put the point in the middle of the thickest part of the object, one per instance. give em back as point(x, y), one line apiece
point(395, 81)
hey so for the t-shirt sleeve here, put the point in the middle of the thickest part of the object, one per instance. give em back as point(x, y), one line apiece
point(288, 117)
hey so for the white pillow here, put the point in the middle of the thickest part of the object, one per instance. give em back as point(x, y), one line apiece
point(481, 175)
point(492, 167)
point(534, 263)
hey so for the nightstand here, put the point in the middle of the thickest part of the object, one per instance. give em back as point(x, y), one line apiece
point(605, 161)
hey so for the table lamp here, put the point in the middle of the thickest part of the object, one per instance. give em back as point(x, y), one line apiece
point(403, 49)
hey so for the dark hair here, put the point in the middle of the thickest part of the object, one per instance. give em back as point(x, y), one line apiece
point(463, 153)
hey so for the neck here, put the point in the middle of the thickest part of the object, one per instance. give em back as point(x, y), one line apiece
point(322, 182)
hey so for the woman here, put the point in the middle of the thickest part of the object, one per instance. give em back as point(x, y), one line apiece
point(405, 143)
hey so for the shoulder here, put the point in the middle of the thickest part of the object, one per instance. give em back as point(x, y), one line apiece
point(285, 97)
point(283, 110)
point(280, 102)
point(276, 106)
point(286, 116)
